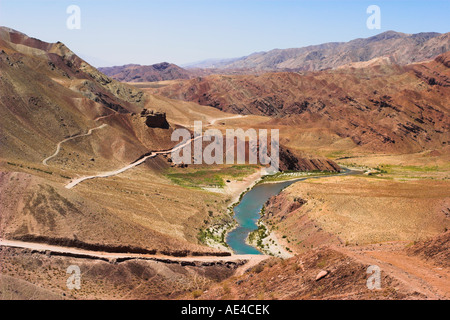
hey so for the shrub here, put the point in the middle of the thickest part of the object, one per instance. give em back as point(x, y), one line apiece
point(196, 293)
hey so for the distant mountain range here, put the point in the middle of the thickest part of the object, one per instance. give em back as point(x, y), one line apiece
point(399, 47)
point(138, 73)
point(387, 47)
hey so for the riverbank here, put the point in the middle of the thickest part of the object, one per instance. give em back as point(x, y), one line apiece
point(236, 189)
point(262, 242)
point(267, 241)
point(215, 235)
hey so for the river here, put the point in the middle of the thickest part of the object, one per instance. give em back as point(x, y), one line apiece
point(247, 212)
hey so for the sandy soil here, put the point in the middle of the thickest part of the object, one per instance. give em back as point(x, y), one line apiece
point(235, 188)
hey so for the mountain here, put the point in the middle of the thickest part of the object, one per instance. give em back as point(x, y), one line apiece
point(389, 47)
point(48, 93)
point(138, 73)
point(209, 63)
point(380, 107)
point(60, 119)
point(399, 48)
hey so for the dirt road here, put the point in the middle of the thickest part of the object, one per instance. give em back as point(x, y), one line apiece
point(250, 260)
point(58, 146)
point(74, 182)
point(153, 154)
point(413, 273)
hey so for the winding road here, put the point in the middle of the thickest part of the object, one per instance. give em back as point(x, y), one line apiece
point(58, 146)
point(152, 154)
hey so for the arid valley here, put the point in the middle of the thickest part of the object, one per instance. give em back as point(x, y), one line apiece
point(88, 178)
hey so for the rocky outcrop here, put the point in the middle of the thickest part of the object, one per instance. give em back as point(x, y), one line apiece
point(321, 274)
point(75, 243)
point(155, 119)
point(289, 161)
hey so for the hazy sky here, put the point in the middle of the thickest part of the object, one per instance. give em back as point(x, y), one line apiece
point(181, 31)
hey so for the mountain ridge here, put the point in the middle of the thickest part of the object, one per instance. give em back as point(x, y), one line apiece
point(392, 47)
point(146, 73)
point(407, 48)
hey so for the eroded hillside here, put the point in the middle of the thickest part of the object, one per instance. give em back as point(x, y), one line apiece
point(384, 107)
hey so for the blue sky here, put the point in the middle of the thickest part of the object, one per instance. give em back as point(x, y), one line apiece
point(181, 31)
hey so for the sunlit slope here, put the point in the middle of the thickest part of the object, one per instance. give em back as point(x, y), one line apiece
point(59, 119)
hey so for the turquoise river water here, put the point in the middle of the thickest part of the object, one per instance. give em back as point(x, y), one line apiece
point(247, 212)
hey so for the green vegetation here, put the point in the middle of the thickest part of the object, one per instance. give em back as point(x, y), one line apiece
point(206, 234)
point(403, 173)
point(196, 293)
point(30, 168)
point(322, 263)
point(258, 235)
point(214, 177)
point(388, 168)
point(216, 233)
point(290, 175)
point(337, 154)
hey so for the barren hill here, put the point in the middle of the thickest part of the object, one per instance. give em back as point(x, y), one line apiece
point(56, 107)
